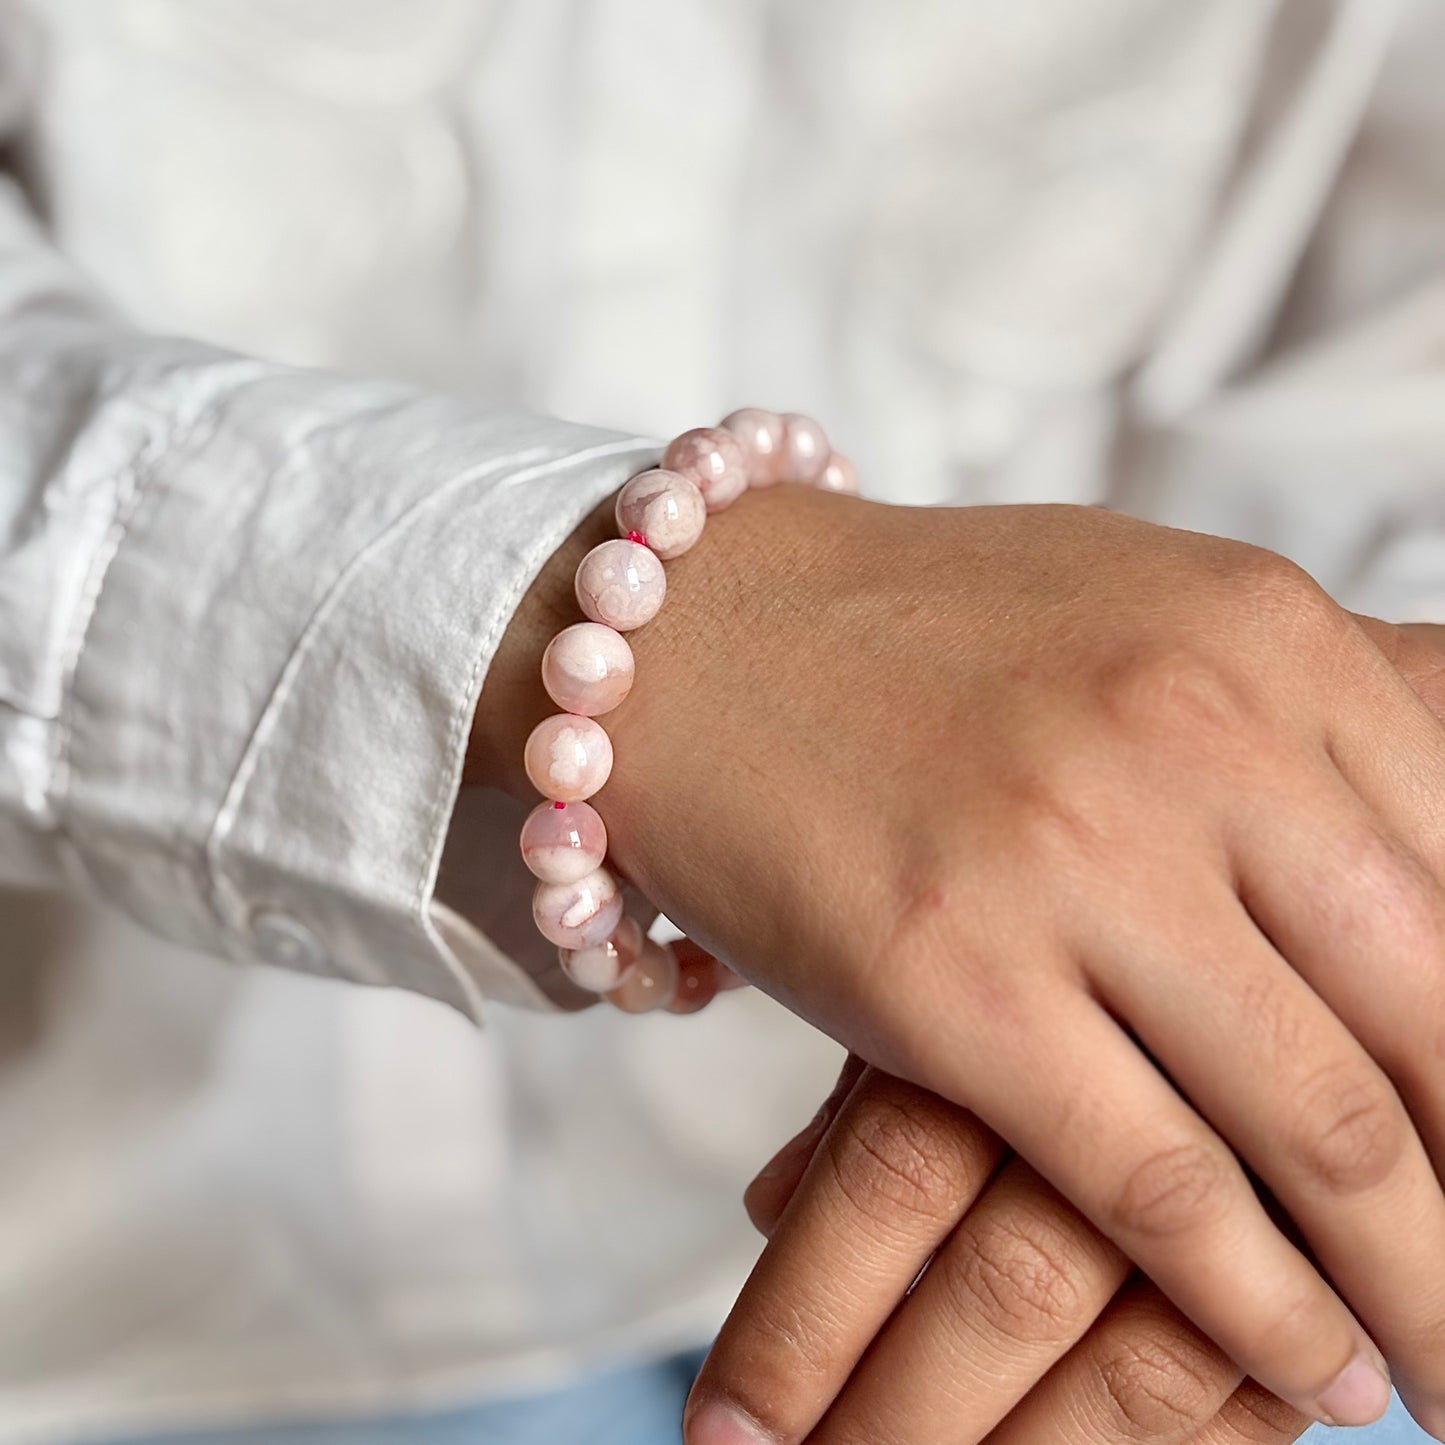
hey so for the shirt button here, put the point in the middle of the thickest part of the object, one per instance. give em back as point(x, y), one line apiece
point(280, 939)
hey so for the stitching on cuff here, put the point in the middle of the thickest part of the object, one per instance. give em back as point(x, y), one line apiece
point(235, 794)
point(466, 707)
point(225, 895)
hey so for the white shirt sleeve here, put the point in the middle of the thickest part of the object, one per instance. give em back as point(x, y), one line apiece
point(245, 615)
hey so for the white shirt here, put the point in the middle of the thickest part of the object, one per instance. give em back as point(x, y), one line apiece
point(1189, 259)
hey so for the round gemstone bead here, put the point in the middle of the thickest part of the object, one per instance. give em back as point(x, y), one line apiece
point(715, 460)
point(697, 984)
point(603, 967)
point(664, 507)
point(568, 758)
point(761, 433)
point(620, 584)
point(691, 954)
point(651, 985)
point(840, 475)
point(581, 914)
point(807, 447)
point(588, 668)
point(563, 842)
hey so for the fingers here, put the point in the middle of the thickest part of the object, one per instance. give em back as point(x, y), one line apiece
point(1381, 884)
point(1145, 1374)
point(1252, 1416)
point(1387, 740)
point(1017, 1283)
point(1314, 1114)
point(1165, 1188)
point(768, 1195)
point(893, 1175)
point(1371, 944)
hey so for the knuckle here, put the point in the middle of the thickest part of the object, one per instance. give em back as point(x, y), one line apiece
point(1176, 1190)
point(1288, 1339)
point(1253, 1416)
point(1284, 600)
point(1156, 1385)
point(1020, 1273)
point(1279, 587)
point(1352, 1130)
point(1174, 690)
point(780, 1368)
point(1397, 883)
point(887, 1162)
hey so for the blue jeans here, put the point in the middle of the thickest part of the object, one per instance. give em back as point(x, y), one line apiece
point(1395, 1429)
point(629, 1407)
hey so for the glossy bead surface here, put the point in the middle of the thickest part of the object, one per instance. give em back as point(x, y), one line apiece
point(697, 984)
point(761, 433)
point(588, 668)
point(840, 475)
point(715, 460)
point(568, 758)
point(620, 584)
point(563, 844)
point(807, 447)
point(664, 507)
point(581, 914)
point(651, 985)
point(605, 966)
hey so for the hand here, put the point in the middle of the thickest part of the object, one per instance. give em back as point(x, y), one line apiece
point(1128, 840)
point(902, 1183)
point(1417, 651)
point(888, 1179)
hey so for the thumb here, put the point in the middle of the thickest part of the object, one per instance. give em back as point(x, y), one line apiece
point(1417, 649)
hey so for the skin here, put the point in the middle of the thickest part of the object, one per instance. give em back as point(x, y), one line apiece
point(1105, 833)
point(887, 1177)
point(1028, 1327)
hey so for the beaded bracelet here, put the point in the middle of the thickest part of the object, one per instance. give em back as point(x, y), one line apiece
point(588, 669)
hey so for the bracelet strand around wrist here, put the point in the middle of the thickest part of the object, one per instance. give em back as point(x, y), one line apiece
point(588, 669)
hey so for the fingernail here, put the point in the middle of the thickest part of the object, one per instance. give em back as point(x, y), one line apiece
point(1359, 1395)
point(717, 1423)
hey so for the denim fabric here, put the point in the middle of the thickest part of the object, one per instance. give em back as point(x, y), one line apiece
point(1395, 1429)
point(629, 1407)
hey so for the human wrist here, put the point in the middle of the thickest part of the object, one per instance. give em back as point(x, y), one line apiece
point(588, 669)
point(772, 564)
point(512, 699)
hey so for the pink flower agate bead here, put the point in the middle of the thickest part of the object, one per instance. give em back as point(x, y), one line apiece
point(663, 507)
point(715, 460)
point(605, 966)
point(651, 985)
point(761, 433)
point(588, 668)
point(620, 584)
point(568, 758)
point(807, 447)
point(840, 475)
point(697, 984)
point(581, 914)
point(563, 842)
